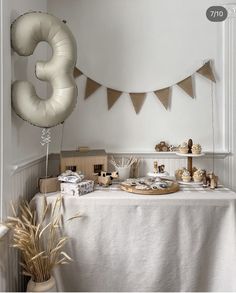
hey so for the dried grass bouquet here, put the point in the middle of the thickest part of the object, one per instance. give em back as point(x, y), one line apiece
point(39, 240)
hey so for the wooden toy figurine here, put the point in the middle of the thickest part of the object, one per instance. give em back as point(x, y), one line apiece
point(214, 181)
point(210, 180)
point(105, 178)
point(155, 167)
point(161, 169)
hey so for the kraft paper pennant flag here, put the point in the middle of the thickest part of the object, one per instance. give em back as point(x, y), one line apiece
point(187, 86)
point(207, 71)
point(164, 96)
point(138, 100)
point(112, 97)
point(77, 72)
point(91, 87)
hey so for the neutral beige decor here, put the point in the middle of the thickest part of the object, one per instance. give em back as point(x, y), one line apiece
point(39, 240)
point(164, 95)
point(26, 32)
point(112, 97)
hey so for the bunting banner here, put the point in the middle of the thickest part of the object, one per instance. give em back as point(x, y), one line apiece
point(207, 71)
point(77, 72)
point(164, 96)
point(138, 99)
point(112, 97)
point(187, 86)
point(91, 87)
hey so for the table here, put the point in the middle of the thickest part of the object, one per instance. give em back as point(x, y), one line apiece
point(184, 241)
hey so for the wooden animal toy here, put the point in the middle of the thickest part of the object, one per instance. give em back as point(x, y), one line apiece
point(205, 179)
point(105, 178)
point(161, 169)
point(214, 180)
point(210, 180)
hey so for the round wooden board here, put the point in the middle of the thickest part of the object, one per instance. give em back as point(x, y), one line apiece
point(132, 189)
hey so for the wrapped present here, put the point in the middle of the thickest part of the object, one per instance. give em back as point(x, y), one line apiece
point(71, 177)
point(77, 189)
point(47, 185)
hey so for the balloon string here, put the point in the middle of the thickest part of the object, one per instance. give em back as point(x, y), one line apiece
point(47, 160)
point(45, 140)
point(62, 135)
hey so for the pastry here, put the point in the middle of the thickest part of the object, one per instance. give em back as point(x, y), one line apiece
point(179, 173)
point(186, 176)
point(198, 175)
point(183, 148)
point(196, 149)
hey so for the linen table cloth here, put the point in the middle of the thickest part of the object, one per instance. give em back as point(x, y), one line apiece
point(184, 241)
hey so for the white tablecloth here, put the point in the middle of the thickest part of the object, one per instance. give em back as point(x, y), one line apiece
point(124, 242)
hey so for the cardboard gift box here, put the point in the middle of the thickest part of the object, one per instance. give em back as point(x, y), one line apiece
point(47, 185)
point(77, 189)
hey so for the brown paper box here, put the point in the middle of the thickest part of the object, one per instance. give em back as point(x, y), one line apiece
point(47, 185)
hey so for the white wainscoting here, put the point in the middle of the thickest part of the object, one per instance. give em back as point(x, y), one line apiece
point(24, 185)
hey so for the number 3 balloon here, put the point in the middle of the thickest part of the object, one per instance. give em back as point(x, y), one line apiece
point(26, 32)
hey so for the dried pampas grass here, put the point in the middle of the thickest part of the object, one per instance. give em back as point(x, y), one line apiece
point(39, 240)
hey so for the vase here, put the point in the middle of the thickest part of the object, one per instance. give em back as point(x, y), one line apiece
point(47, 286)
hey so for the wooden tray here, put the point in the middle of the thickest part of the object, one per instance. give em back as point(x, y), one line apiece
point(132, 189)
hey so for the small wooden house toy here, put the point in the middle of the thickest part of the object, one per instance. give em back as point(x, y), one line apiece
point(88, 162)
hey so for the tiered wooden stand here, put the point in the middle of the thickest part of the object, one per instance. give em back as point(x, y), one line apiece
point(190, 164)
point(190, 160)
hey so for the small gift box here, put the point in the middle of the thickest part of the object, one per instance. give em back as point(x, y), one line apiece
point(47, 185)
point(77, 189)
point(71, 177)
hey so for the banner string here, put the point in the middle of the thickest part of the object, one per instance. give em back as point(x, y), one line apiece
point(206, 73)
point(213, 127)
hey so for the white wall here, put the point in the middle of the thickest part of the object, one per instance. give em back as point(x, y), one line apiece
point(140, 46)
